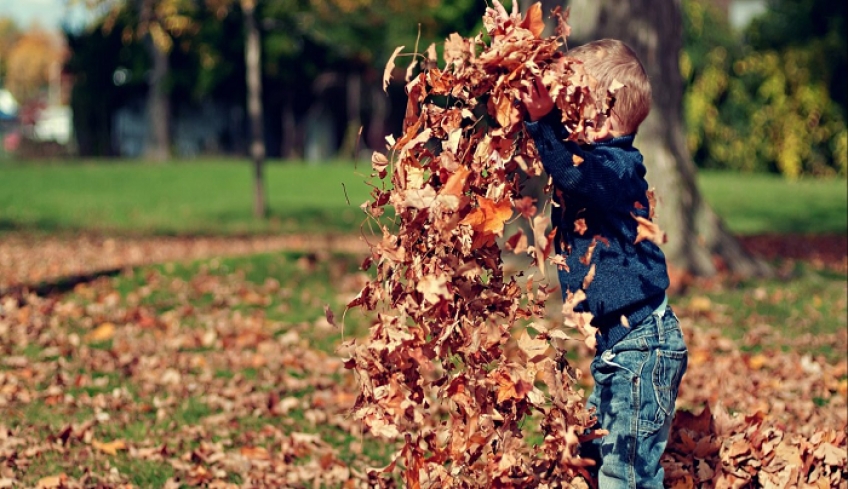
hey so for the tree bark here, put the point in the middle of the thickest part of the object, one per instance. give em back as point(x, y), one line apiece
point(698, 241)
point(158, 146)
point(253, 57)
point(289, 129)
point(353, 95)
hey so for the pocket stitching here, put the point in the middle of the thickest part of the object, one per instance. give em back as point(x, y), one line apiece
point(662, 393)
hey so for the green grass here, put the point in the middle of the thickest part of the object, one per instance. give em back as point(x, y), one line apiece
point(197, 197)
point(762, 203)
point(216, 197)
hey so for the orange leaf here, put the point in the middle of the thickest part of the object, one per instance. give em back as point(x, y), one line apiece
point(255, 453)
point(496, 215)
point(456, 182)
point(533, 20)
point(489, 217)
point(103, 332)
point(52, 482)
point(111, 447)
point(506, 113)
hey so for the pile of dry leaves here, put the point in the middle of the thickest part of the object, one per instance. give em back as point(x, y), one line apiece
point(437, 371)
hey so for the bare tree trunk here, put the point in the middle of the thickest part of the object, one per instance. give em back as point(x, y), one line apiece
point(158, 147)
point(380, 107)
point(354, 122)
point(289, 129)
point(697, 237)
point(253, 56)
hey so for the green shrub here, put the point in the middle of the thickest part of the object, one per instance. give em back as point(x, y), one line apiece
point(759, 108)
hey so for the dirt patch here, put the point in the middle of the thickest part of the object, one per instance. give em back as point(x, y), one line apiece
point(822, 251)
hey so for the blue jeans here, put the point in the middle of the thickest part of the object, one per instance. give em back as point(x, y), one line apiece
point(636, 384)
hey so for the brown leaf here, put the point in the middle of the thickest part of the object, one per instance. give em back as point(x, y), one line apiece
point(533, 348)
point(649, 230)
point(580, 226)
point(331, 318)
point(390, 67)
point(489, 218)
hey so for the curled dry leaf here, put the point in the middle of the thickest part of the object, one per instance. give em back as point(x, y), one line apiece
point(390, 67)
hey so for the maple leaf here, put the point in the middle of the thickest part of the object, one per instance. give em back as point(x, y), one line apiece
point(508, 388)
point(533, 348)
point(489, 217)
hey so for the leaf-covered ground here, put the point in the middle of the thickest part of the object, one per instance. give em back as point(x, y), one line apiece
point(223, 372)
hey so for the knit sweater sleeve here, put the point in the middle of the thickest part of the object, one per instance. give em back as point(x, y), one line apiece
point(589, 172)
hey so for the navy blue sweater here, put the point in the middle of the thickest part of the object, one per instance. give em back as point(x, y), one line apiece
point(605, 190)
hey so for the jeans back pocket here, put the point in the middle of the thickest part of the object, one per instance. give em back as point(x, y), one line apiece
point(668, 371)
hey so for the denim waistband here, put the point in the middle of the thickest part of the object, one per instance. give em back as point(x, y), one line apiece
point(611, 330)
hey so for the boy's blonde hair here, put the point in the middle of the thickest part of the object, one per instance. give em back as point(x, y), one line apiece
point(609, 60)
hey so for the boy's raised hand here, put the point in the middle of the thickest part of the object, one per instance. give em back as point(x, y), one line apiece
point(537, 100)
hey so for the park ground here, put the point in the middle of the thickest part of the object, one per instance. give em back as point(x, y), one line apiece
point(150, 336)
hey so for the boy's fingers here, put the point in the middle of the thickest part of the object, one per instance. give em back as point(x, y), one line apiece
point(500, 8)
point(540, 87)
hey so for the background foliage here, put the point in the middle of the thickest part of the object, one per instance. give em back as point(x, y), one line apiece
point(770, 98)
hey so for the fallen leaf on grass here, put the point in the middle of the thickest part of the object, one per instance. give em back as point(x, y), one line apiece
point(103, 332)
point(109, 448)
point(52, 482)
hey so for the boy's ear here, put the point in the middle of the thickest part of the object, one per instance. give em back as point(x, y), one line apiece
point(602, 132)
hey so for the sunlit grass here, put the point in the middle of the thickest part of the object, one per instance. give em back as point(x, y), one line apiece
point(209, 197)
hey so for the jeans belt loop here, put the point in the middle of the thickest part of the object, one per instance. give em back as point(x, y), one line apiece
point(660, 311)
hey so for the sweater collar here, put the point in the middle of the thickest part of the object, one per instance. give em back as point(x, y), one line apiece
point(621, 141)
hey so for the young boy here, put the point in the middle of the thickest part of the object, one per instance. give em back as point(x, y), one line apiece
point(641, 355)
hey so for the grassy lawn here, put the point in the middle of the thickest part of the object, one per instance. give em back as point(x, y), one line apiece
point(215, 197)
point(755, 203)
point(197, 197)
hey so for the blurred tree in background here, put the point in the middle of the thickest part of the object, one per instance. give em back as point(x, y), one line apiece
point(9, 34)
point(32, 60)
point(771, 98)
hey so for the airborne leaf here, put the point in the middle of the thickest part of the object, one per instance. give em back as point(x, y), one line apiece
point(390, 67)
